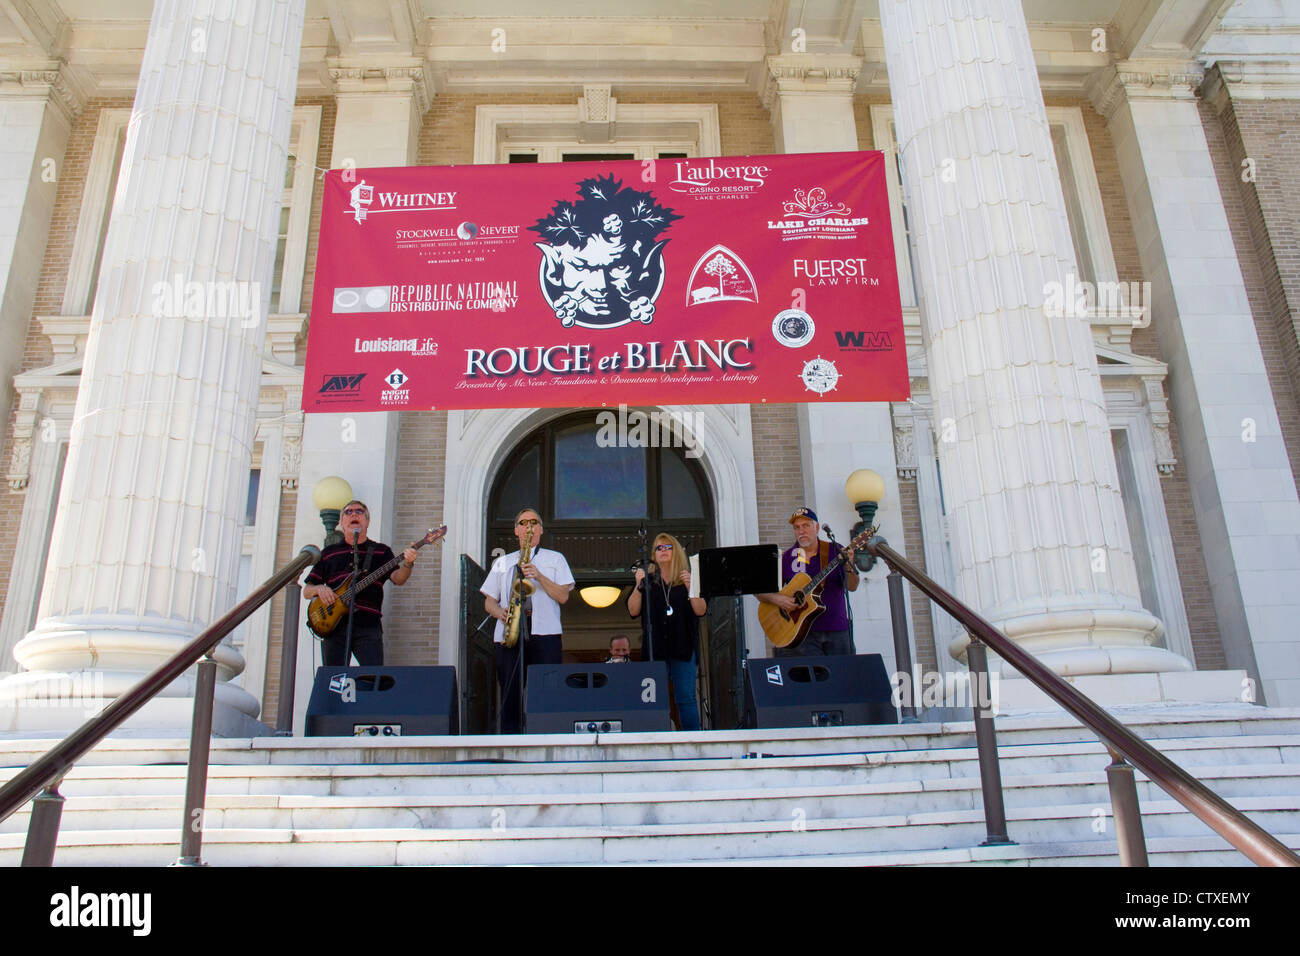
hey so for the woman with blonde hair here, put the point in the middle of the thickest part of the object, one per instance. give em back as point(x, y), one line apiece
point(670, 622)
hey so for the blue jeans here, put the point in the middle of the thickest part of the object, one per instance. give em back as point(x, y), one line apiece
point(681, 674)
point(819, 643)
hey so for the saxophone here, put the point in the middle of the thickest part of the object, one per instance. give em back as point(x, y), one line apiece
point(521, 589)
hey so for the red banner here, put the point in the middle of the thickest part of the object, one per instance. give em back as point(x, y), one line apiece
point(671, 281)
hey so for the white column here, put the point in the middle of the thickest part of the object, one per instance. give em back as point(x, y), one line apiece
point(377, 124)
point(1242, 486)
point(1039, 542)
point(36, 112)
point(145, 548)
point(811, 103)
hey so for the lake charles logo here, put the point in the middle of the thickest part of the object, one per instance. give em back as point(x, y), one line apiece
point(810, 215)
point(602, 260)
point(721, 276)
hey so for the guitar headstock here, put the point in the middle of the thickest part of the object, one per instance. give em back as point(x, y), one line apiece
point(862, 539)
point(434, 534)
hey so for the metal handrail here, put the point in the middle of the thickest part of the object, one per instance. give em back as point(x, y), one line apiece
point(58, 761)
point(1224, 819)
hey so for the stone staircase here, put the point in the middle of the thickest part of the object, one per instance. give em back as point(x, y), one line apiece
point(895, 795)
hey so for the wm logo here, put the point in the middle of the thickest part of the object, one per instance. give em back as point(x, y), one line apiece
point(342, 383)
point(867, 341)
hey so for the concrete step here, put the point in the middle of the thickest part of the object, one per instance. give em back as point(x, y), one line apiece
point(903, 834)
point(1227, 721)
point(285, 808)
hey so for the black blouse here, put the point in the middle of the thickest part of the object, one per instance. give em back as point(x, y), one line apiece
point(676, 636)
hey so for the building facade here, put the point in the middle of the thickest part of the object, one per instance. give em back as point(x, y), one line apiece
point(1096, 249)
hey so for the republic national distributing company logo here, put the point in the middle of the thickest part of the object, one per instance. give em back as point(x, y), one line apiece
point(810, 215)
point(602, 260)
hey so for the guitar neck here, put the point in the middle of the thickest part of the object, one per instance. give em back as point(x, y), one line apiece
point(835, 562)
point(378, 573)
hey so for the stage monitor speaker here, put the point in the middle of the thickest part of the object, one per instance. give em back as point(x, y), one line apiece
point(598, 698)
point(383, 702)
point(818, 691)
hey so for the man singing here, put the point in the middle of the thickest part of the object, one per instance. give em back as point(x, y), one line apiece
point(334, 568)
point(831, 632)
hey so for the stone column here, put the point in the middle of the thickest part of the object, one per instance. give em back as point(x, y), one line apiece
point(1237, 465)
point(1039, 541)
point(811, 102)
point(37, 108)
point(377, 124)
point(145, 548)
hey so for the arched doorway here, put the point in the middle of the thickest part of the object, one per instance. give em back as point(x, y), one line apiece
point(597, 496)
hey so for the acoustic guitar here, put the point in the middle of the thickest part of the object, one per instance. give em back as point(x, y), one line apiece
point(322, 620)
point(789, 628)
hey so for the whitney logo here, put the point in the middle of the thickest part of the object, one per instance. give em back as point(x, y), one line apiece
point(732, 280)
point(360, 199)
point(602, 260)
point(74, 908)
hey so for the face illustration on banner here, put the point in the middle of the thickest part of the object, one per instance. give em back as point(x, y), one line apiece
point(602, 261)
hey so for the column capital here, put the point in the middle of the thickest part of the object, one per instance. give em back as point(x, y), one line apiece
point(405, 75)
point(810, 73)
point(1142, 79)
point(53, 80)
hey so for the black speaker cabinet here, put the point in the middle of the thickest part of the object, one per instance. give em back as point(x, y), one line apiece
point(598, 698)
point(383, 702)
point(818, 691)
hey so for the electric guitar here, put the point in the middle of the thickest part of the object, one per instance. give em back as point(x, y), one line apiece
point(789, 628)
point(322, 620)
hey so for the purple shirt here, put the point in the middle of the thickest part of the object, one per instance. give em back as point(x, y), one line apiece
point(833, 597)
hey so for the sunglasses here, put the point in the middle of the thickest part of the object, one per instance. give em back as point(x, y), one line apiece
point(663, 547)
point(354, 511)
point(527, 521)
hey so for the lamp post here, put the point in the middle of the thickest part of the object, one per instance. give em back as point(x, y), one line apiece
point(329, 497)
point(866, 489)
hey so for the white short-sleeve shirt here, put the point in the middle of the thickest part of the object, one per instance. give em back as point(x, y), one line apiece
point(546, 613)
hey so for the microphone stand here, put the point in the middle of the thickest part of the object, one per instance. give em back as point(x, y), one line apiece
point(356, 576)
point(645, 596)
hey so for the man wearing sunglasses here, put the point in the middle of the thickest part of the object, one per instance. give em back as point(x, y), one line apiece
point(334, 568)
point(552, 581)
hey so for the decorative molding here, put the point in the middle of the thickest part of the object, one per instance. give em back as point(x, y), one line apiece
point(55, 81)
point(809, 73)
point(283, 332)
point(1158, 405)
point(411, 78)
point(67, 334)
point(1251, 80)
point(596, 114)
point(1140, 80)
point(904, 441)
point(26, 420)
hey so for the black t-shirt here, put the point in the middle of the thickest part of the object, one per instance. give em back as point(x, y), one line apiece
point(335, 565)
point(676, 635)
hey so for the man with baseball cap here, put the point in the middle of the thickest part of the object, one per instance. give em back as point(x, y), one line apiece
point(831, 632)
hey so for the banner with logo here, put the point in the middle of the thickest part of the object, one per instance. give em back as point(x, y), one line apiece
point(673, 281)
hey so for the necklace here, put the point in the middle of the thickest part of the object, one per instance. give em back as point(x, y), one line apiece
point(669, 612)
